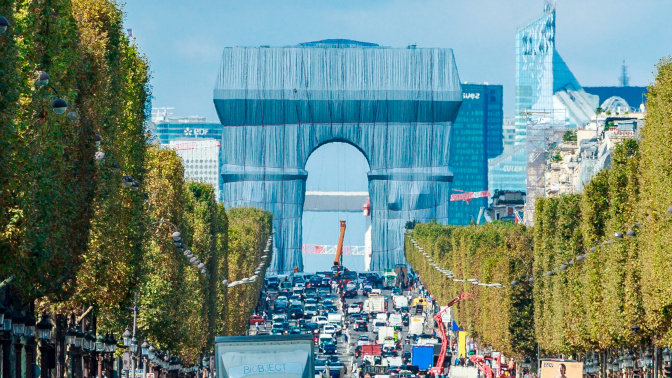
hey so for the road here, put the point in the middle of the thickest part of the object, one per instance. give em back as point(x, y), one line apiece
point(346, 350)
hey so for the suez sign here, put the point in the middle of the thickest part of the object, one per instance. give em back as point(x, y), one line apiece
point(265, 368)
point(471, 96)
point(188, 131)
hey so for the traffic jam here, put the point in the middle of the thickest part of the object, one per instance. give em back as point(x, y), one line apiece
point(363, 324)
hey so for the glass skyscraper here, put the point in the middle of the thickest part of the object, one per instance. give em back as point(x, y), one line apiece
point(476, 137)
point(548, 98)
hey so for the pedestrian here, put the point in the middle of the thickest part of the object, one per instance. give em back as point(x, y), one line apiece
point(256, 328)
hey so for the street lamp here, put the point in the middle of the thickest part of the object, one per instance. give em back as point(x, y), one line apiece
point(59, 106)
point(18, 324)
point(113, 344)
point(44, 328)
point(666, 356)
point(3, 24)
point(42, 79)
point(127, 337)
point(79, 335)
point(90, 341)
point(134, 345)
point(100, 343)
point(29, 331)
point(144, 348)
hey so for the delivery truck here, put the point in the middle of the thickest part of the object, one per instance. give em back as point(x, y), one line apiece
point(422, 356)
point(416, 326)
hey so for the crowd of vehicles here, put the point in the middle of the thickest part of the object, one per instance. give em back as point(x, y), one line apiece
point(358, 323)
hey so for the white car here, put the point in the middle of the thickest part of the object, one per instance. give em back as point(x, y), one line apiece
point(351, 285)
point(320, 320)
point(354, 309)
point(329, 329)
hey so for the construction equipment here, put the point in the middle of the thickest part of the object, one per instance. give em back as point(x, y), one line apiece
point(479, 362)
point(337, 269)
point(468, 196)
point(438, 368)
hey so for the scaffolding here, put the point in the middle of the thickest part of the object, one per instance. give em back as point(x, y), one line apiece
point(544, 128)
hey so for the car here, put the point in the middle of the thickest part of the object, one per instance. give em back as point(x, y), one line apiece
point(329, 329)
point(354, 309)
point(378, 323)
point(323, 292)
point(295, 298)
point(257, 319)
point(320, 320)
point(279, 318)
point(310, 293)
point(389, 351)
point(279, 328)
point(366, 289)
point(312, 327)
point(272, 283)
point(361, 326)
point(296, 313)
point(351, 293)
point(364, 340)
point(352, 285)
point(328, 347)
point(396, 291)
point(295, 331)
point(309, 311)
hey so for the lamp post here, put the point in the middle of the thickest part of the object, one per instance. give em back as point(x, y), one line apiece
point(18, 327)
point(44, 335)
point(100, 350)
point(667, 362)
point(6, 342)
point(133, 350)
point(29, 335)
point(144, 351)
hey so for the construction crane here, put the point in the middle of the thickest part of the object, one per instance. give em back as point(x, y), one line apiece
point(337, 269)
point(483, 213)
point(468, 196)
point(438, 369)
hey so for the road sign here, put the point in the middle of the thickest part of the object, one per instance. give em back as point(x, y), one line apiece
point(150, 375)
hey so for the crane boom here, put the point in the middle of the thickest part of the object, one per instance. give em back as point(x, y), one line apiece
point(339, 248)
point(438, 369)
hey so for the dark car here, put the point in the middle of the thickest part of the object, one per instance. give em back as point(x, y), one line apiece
point(296, 313)
point(312, 327)
point(272, 283)
point(328, 347)
point(396, 291)
point(352, 293)
point(295, 331)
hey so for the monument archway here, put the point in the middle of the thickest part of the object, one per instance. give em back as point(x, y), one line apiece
point(278, 105)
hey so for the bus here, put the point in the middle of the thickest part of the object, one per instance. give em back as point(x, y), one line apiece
point(389, 280)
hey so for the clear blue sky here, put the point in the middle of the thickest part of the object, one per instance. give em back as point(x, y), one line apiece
point(184, 39)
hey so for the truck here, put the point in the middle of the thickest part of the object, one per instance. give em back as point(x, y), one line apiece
point(385, 335)
point(416, 326)
point(400, 301)
point(389, 280)
point(422, 356)
point(335, 319)
point(375, 304)
point(396, 321)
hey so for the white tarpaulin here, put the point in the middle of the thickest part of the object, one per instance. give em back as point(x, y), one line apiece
point(288, 356)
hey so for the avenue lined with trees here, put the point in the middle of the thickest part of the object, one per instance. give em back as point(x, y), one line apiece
point(101, 238)
point(590, 280)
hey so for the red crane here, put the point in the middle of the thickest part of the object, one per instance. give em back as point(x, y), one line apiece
point(438, 369)
point(480, 363)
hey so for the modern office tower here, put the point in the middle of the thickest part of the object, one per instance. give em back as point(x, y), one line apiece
point(476, 137)
point(195, 140)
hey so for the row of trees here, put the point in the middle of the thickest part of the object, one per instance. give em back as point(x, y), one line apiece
point(71, 236)
point(592, 269)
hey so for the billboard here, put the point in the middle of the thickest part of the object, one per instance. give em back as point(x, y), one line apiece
point(281, 356)
point(561, 369)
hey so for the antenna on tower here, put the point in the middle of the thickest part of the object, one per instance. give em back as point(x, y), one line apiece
point(624, 79)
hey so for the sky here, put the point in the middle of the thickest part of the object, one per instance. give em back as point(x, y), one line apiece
point(183, 40)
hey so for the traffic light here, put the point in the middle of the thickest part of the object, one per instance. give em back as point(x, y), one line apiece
point(667, 371)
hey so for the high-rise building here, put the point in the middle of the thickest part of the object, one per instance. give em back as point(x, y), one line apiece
point(201, 157)
point(549, 100)
point(509, 133)
point(196, 141)
point(476, 137)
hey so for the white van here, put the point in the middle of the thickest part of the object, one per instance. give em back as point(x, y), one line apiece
point(416, 326)
point(396, 321)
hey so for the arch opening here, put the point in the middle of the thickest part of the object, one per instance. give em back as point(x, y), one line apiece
point(336, 189)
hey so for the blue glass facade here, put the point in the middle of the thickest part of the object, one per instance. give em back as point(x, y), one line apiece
point(476, 137)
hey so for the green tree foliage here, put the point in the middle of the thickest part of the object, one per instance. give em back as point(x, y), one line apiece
point(492, 253)
point(249, 229)
point(655, 237)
